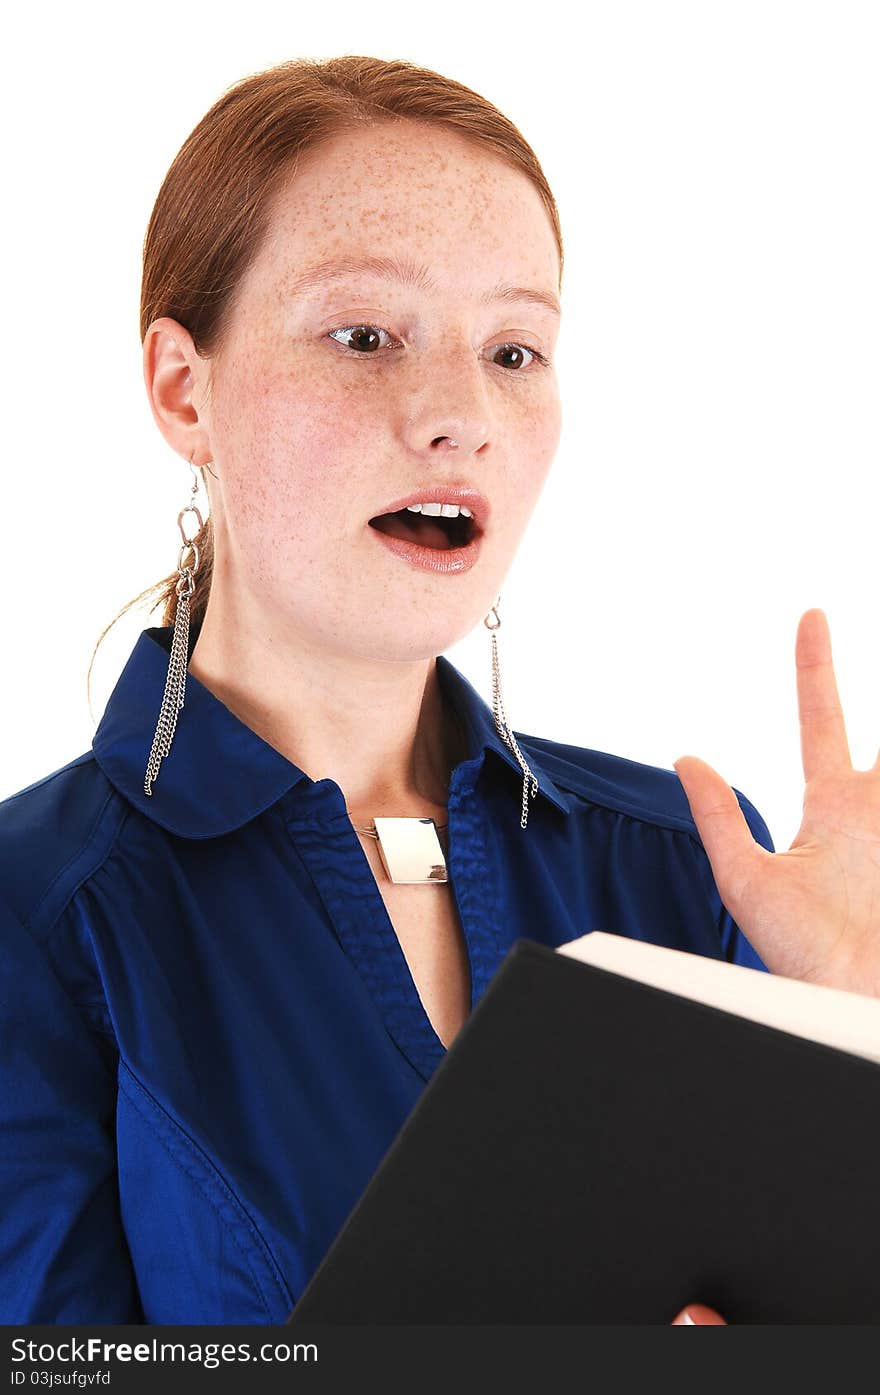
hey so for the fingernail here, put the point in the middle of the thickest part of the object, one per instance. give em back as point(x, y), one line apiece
point(688, 1319)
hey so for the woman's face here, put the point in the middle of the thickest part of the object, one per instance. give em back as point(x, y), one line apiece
point(330, 403)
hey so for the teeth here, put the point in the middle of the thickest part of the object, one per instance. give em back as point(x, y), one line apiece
point(440, 510)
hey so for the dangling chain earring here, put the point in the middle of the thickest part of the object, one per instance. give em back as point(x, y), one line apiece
point(175, 682)
point(501, 722)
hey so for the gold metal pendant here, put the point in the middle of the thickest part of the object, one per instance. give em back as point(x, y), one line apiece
point(410, 850)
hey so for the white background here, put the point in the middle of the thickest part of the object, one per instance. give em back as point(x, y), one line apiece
point(716, 168)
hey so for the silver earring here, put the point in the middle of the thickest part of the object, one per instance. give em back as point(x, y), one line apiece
point(175, 682)
point(501, 722)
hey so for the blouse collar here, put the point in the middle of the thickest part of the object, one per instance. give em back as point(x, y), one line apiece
point(219, 774)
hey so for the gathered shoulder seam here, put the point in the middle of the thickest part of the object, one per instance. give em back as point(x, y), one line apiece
point(83, 864)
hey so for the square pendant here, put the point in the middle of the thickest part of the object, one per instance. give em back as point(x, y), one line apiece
point(410, 850)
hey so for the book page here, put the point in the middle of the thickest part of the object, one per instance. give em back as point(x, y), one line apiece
point(848, 1021)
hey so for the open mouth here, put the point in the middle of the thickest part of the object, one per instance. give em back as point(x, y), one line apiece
point(427, 530)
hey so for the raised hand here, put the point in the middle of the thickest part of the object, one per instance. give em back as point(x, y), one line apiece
point(813, 912)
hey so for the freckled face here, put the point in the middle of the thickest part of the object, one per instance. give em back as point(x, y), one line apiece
point(315, 428)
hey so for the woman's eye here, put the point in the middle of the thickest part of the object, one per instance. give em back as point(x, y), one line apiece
point(518, 350)
point(363, 337)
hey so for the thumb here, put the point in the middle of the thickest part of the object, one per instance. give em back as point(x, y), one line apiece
point(698, 1315)
point(721, 824)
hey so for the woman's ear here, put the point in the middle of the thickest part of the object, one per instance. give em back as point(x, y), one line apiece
point(176, 379)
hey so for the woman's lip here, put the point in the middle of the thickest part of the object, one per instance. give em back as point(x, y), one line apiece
point(432, 559)
point(446, 494)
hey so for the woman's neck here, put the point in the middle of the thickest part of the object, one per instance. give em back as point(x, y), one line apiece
point(380, 730)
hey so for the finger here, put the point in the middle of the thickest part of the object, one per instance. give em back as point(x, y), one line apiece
point(700, 1315)
point(722, 827)
point(824, 746)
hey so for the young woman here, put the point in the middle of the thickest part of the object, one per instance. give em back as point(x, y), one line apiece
point(239, 932)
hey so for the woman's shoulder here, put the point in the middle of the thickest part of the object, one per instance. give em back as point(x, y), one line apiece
point(53, 834)
point(589, 778)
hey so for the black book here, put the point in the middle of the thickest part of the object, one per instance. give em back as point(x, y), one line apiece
point(620, 1129)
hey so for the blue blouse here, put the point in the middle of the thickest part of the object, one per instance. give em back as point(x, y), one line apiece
point(209, 1034)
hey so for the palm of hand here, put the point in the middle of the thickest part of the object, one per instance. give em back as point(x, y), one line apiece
point(812, 912)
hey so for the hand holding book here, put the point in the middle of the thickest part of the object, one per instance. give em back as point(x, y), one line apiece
point(811, 913)
point(698, 1315)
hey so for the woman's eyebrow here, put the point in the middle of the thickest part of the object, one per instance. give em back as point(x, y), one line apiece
point(410, 273)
